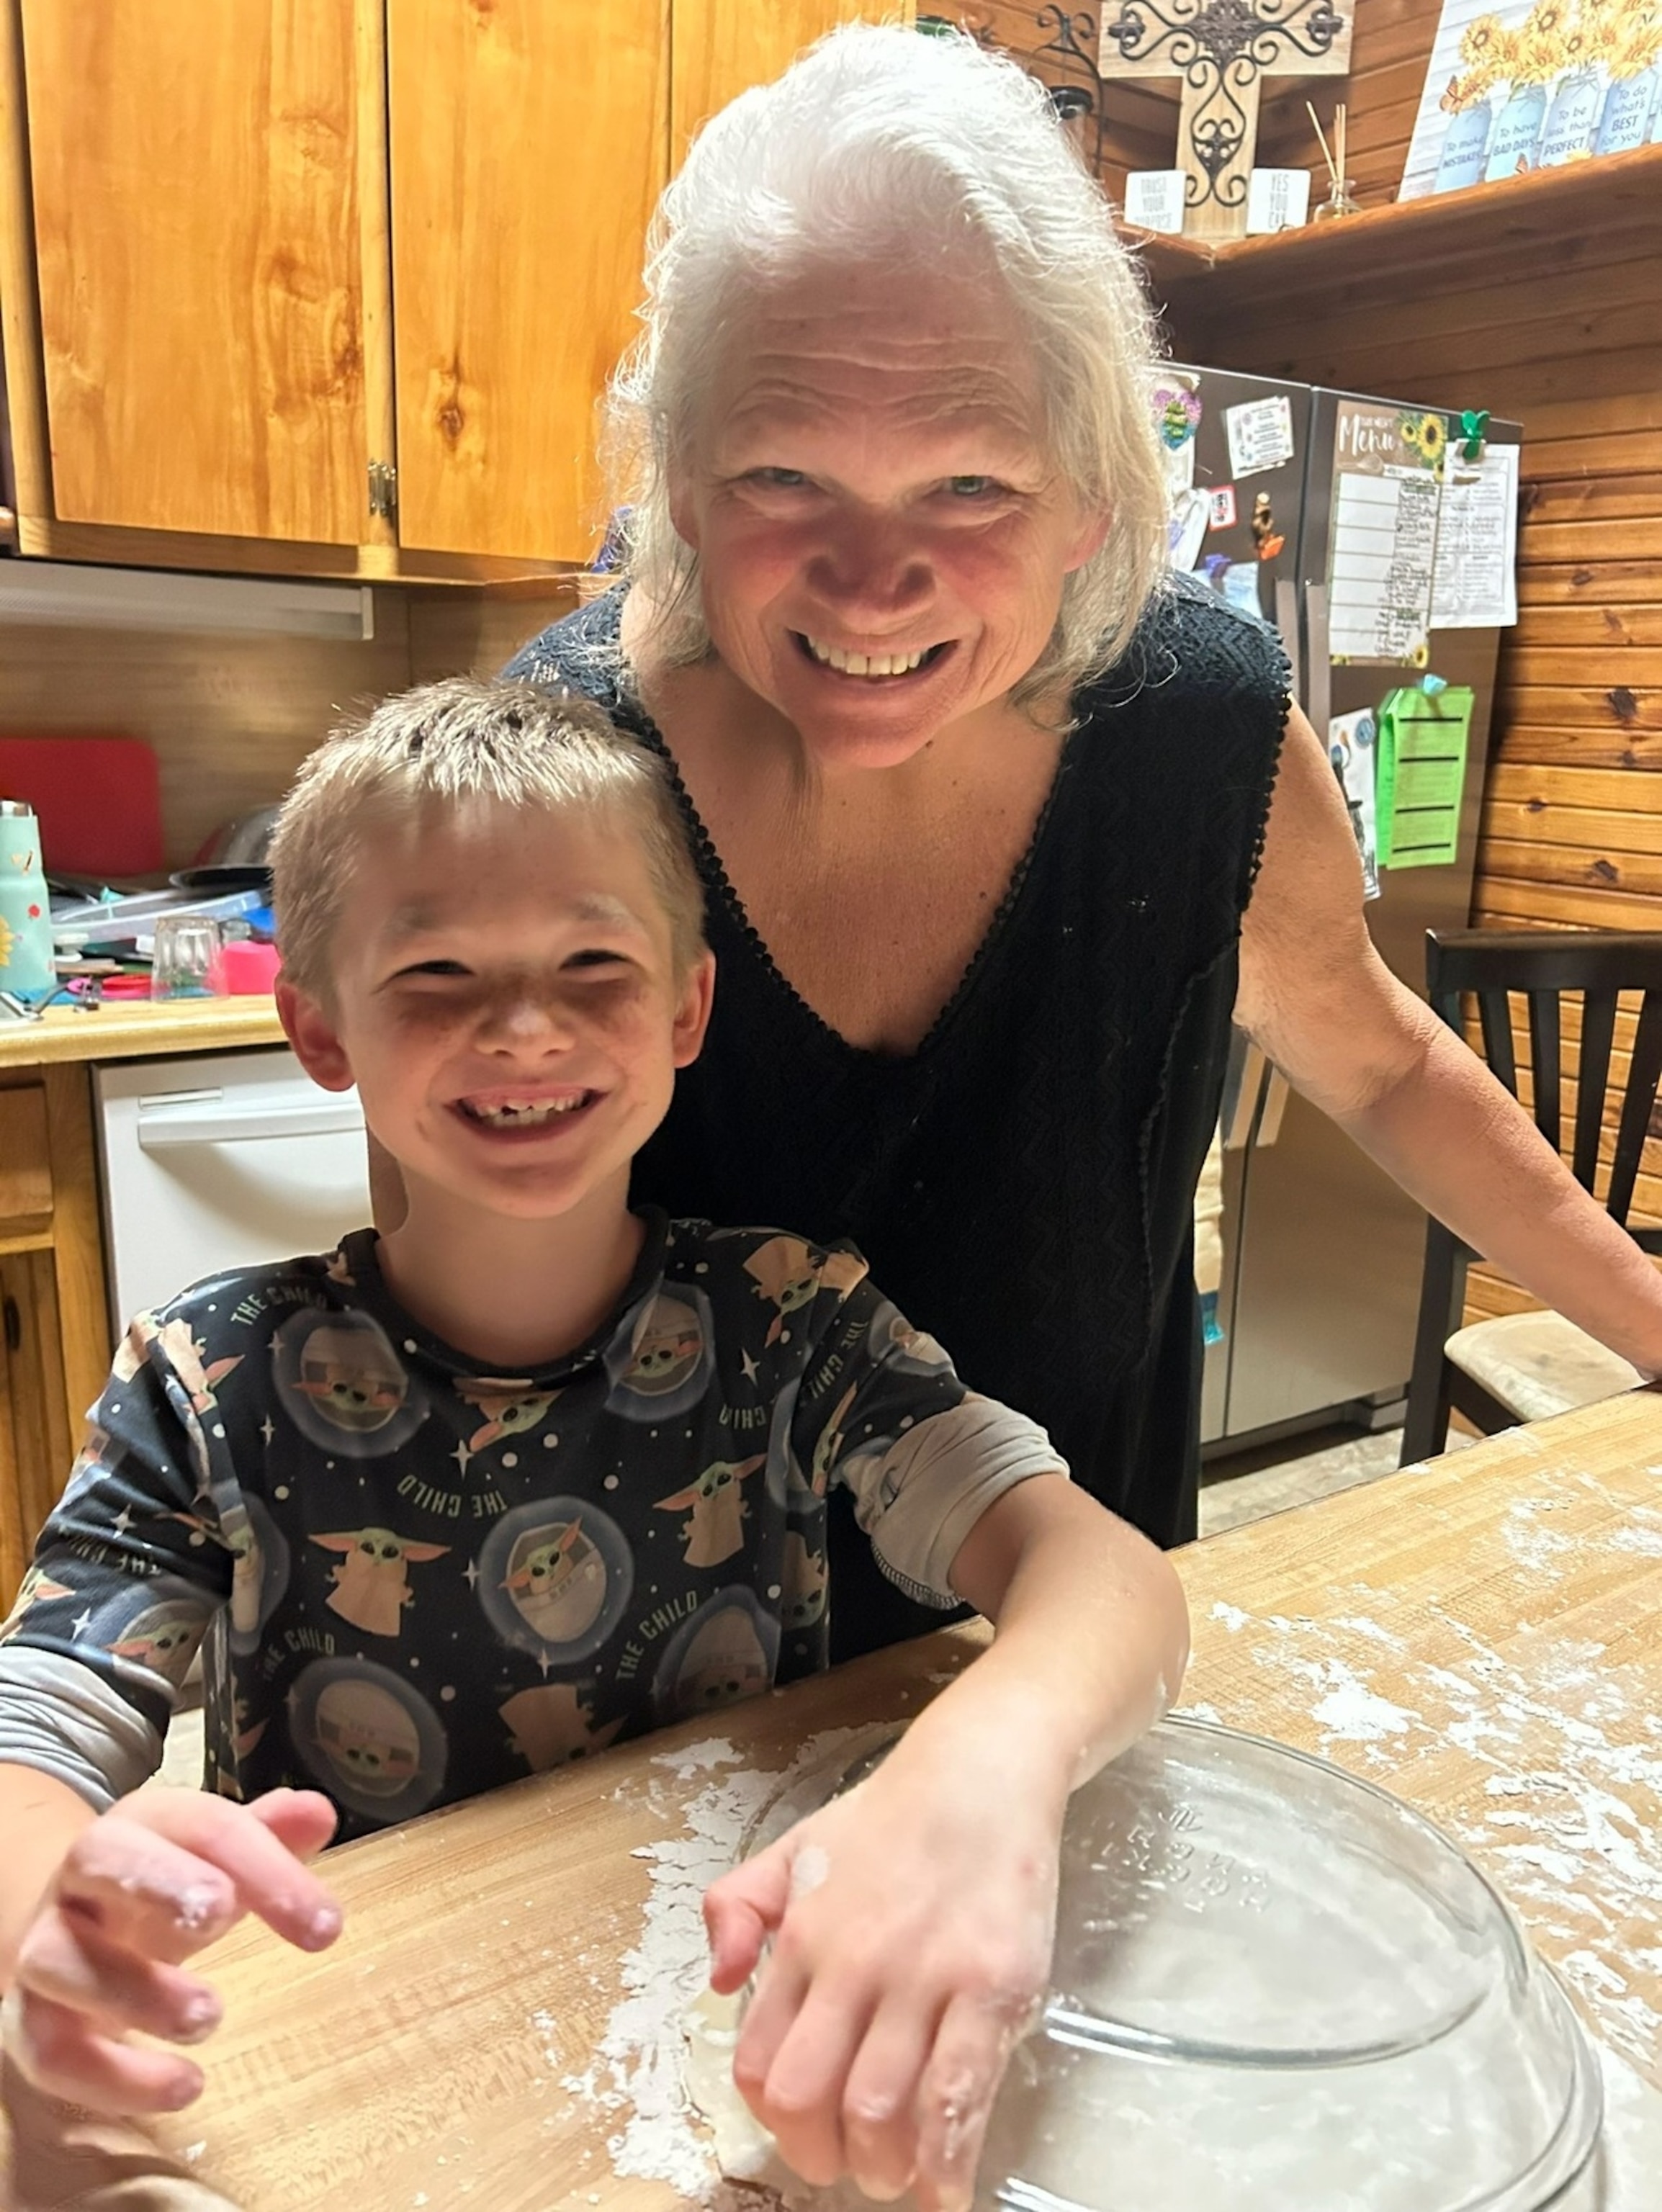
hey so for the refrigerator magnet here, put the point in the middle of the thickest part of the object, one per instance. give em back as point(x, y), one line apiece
point(1260, 434)
point(1177, 416)
point(1265, 536)
point(1222, 499)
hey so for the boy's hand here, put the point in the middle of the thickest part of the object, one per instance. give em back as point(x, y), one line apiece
point(911, 1925)
point(159, 1876)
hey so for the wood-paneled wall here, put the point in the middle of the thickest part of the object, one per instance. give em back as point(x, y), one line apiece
point(230, 718)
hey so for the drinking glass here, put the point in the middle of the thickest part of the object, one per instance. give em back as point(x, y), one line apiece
point(186, 948)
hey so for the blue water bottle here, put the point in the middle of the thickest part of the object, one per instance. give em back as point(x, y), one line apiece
point(26, 968)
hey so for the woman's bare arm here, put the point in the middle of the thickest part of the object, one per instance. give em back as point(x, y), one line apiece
point(1358, 1043)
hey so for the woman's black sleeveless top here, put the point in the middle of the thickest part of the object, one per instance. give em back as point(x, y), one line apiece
point(1022, 1183)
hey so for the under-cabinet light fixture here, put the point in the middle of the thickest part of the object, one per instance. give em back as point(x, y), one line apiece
point(146, 598)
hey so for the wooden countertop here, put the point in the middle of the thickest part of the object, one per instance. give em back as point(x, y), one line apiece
point(133, 1029)
point(1482, 1636)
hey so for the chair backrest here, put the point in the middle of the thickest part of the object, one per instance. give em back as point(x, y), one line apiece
point(1542, 965)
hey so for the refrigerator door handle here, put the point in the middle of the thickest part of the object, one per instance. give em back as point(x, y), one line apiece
point(1287, 621)
point(1318, 700)
point(1275, 1092)
point(1243, 1091)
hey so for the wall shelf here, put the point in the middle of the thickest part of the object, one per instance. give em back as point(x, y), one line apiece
point(1498, 228)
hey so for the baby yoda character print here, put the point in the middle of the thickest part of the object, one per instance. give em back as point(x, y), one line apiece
point(507, 1408)
point(259, 1569)
point(372, 1743)
point(556, 1579)
point(186, 1355)
point(803, 1584)
point(343, 1386)
point(727, 1652)
point(552, 1726)
point(828, 1447)
point(372, 1583)
point(891, 1341)
point(368, 1738)
point(37, 1588)
point(798, 1491)
point(715, 1532)
point(791, 1274)
point(661, 1358)
point(163, 1637)
point(553, 1577)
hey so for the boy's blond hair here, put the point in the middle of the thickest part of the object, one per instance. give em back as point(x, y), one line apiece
point(447, 744)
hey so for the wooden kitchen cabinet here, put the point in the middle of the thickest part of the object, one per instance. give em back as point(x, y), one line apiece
point(54, 1328)
point(528, 142)
point(333, 286)
point(198, 225)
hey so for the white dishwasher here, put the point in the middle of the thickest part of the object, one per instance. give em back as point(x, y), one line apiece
point(221, 1160)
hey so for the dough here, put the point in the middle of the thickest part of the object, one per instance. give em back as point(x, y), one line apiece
point(54, 2157)
point(745, 2150)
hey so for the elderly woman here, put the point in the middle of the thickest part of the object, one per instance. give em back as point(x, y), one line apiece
point(999, 827)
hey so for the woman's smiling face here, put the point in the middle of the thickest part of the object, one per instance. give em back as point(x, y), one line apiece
point(882, 534)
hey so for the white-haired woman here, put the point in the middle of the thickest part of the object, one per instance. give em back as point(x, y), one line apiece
point(997, 829)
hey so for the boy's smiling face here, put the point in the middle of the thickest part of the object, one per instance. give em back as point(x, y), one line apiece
point(507, 999)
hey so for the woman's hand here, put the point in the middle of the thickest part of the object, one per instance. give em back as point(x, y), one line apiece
point(158, 1877)
point(911, 1924)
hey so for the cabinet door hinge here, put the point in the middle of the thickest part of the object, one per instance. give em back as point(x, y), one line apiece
point(383, 490)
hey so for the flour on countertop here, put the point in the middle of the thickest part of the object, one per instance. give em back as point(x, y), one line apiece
point(637, 2073)
point(1571, 1809)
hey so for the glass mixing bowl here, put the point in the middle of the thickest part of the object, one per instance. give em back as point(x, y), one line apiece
point(1276, 1989)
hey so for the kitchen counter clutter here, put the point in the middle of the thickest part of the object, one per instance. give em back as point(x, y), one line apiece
point(499, 2026)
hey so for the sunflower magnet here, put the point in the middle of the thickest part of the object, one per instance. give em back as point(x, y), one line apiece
point(1426, 437)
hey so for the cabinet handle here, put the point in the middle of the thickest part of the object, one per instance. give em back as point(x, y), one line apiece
point(14, 1321)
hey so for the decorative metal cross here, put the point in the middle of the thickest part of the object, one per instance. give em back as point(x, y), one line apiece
point(1222, 50)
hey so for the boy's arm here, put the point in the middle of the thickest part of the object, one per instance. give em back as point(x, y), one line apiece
point(101, 1948)
point(1093, 1626)
point(99, 1909)
point(40, 1817)
point(912, 1921)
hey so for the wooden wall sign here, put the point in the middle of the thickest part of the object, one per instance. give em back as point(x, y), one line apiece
point(1222, 50)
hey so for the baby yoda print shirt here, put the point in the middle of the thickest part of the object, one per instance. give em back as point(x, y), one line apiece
point(418, 1581)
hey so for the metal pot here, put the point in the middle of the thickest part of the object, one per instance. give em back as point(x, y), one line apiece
point(242, 843)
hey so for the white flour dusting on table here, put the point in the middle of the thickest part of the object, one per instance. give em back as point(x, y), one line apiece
point(637, 2072)
point(1567, 1821)
point(1571, 1813)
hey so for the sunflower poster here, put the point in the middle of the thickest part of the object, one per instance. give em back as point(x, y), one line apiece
point(1387, 493)
point(1520, 86)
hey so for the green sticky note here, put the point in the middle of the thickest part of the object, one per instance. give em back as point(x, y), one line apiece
point(1421, 774)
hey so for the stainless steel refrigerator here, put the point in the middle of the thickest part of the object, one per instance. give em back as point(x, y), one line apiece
point(1322, 1252)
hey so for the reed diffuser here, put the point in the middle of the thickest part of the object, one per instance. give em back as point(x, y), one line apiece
point(1341, 200)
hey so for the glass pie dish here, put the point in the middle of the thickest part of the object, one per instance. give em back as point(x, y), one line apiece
point(1276, 1989)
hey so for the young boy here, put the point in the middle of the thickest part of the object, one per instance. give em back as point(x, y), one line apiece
point(532, 1473)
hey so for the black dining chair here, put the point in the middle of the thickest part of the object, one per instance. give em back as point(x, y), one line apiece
point(1520, 1367)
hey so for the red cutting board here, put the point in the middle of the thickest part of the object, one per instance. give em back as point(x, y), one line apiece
point(96, 799)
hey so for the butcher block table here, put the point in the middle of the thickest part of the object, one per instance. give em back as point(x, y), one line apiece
point(1484, 1637)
